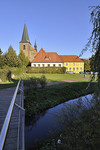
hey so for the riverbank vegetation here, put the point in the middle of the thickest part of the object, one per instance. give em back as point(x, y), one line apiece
point(79, 133)
point(40, 99)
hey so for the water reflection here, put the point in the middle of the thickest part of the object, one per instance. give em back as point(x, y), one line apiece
point(46, 124)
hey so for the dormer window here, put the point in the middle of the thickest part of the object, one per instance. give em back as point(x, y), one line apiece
point(46, 57)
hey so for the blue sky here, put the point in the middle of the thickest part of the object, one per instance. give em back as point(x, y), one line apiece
point(61, 26)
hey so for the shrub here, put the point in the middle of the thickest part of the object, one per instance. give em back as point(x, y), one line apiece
point(5, 75)
point(54, 70)
point(32, 83)
point(42, 81)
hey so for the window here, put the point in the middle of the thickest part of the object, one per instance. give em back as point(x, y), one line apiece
point(66, 64)
point(54, 65)
point(46, 58)
point(66, 69)
point(38, 65)
point(73, 69)
point(48, 65)
point(42, 65)
point(59, 65)
point(80, 69)
point(77, 69)
point(34, 65)
point(23, 47)
point(70, 69)
point(73, 64)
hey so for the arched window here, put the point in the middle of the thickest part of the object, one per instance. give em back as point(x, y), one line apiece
point(73, 69)
point(66, 64)
point(24, 47)
point(59, 65)
point(34, 65)
point(80, 69)
point(54, 65)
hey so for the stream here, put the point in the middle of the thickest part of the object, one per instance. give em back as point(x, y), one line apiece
point(45, 125)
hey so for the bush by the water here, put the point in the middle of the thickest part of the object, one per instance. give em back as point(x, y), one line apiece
point(5, 75)
point(59, 70)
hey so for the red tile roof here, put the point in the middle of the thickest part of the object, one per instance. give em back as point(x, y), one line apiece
point(50, 57)
point(70, 58)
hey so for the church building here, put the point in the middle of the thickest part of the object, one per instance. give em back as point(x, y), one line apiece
point(26, 46)
point(49, 59)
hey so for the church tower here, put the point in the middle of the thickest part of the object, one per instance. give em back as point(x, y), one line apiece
point(25, 45)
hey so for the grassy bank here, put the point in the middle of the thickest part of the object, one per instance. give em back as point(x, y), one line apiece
point(50, 96)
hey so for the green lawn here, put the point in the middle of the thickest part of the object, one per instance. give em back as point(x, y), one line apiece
point(53, 77)
point(50, 78)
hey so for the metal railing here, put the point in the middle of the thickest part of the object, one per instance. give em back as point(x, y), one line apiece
point(21, 121)
point(8, 118)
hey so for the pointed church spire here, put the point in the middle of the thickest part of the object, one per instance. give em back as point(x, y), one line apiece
point(25, 37)
point(35, 46)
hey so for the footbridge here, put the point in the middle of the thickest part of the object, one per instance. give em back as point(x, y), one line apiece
point(12, 118)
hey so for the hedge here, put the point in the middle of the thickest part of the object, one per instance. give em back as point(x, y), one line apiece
point(54, 70)
point(18, 71)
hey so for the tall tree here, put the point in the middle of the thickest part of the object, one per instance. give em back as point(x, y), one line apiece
point(24, 60)
point(11, 59)
point(86, 65)
point(1, 58)
point(0, 52)
point(92, 63)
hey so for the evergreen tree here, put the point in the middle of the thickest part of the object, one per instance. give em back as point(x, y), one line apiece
point(1, 59)
point(86, 65)
point(0, 52)
point(24, 60)
point(11, 59)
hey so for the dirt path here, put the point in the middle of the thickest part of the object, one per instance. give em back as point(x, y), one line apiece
point(65, 81)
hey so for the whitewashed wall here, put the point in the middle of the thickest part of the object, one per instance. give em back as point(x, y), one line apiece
point(46, 64)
